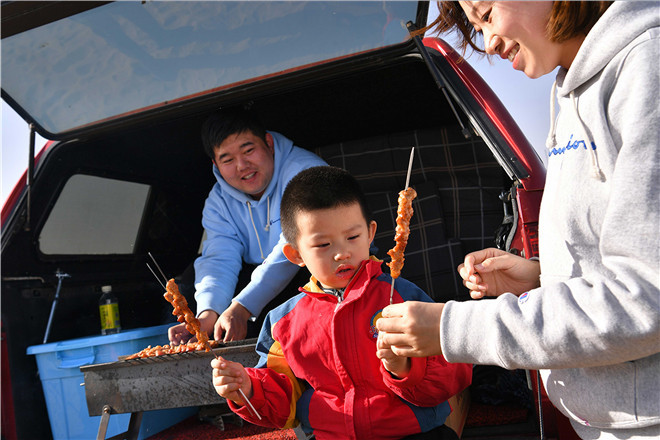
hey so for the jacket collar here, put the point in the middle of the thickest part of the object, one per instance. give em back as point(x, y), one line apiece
point(367, 270)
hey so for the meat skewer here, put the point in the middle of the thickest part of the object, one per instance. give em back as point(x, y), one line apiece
point(404, 214)
point(160, 350)
point(184, 314)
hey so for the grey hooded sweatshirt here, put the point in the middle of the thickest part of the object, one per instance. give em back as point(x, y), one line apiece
point(592, 328)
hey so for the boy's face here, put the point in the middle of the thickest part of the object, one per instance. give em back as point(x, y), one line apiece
point(332, 243)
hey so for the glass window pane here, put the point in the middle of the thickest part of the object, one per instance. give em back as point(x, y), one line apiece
point(126, 56)
point(95, 216)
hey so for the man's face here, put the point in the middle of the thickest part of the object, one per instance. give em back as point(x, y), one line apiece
point(332, 243)
point(246, 162)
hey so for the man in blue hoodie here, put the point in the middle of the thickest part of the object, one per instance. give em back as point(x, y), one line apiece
point(241, 218)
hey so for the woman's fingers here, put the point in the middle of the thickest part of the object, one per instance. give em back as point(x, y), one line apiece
point(406, 351)
point(411, 328)
point(395, 310)
point(495, 263)
point(390, 339)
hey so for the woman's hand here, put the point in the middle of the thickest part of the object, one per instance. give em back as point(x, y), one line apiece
point(492, 272)
point(411, 329)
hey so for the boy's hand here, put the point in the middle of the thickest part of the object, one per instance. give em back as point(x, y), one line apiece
point(228, 377)
point(397, 365)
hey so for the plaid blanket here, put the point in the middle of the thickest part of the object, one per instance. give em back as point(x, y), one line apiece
point(457, 209)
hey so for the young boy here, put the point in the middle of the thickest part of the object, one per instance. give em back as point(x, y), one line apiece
point(320, 364)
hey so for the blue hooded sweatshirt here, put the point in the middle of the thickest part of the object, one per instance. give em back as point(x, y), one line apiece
point(239, 228)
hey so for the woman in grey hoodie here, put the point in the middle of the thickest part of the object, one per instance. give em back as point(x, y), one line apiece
point(587, 314)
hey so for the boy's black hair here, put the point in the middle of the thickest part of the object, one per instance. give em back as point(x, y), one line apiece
point(226, 122)
point(316, 188)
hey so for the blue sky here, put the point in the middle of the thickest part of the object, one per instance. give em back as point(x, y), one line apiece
point(527, 100)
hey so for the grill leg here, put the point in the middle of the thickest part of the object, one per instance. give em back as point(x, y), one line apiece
point(103, 427)
point(130, 434)
point(134, 426)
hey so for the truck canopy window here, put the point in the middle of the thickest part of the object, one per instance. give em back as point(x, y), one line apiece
point(126, 57)
point(94, 216)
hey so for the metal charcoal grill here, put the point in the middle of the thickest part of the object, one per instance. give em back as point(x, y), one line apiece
point(161, 382)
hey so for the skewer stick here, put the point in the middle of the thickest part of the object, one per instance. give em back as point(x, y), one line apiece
point(157, 279)
point(247, 401)
point(410, 163)
point(158, 267)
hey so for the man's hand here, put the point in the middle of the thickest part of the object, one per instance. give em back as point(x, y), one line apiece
point(178, 334)
point(411, 328)
point(232, 324)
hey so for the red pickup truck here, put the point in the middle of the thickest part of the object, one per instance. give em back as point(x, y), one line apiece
point(123, 88)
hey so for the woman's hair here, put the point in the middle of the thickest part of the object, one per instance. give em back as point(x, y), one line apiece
point(317, 188)
point(567, 19)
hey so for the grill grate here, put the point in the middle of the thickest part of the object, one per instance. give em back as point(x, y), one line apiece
point(165, 358)
point(161, 382)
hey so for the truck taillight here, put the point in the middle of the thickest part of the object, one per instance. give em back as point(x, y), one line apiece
point(531, 239)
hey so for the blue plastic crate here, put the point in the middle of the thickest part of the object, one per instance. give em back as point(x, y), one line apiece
point(59, 368)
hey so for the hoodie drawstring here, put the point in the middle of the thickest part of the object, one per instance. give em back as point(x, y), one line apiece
point(267, 227)
point(596, 172)
point(551, 141)
point(261, 251)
